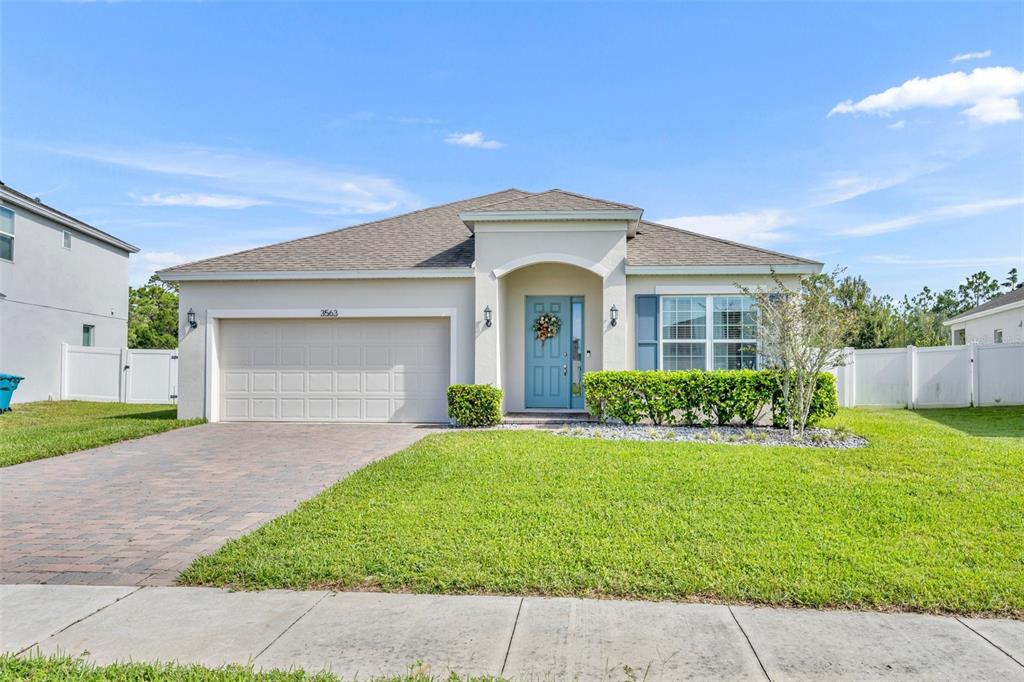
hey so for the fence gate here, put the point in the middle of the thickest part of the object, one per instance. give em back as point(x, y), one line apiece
point(124, 375)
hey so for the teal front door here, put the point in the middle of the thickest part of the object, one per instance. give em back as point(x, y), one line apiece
point(548, 365)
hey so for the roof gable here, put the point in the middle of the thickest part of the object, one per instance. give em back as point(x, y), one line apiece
point(553, 200)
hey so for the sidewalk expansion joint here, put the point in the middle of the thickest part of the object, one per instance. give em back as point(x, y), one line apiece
point(290, 626)
point(750, 644)
point(1001, 649)
point(88, 615)
point(515, 624)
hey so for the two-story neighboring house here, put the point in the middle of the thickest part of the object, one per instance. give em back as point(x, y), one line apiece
point(61, 281)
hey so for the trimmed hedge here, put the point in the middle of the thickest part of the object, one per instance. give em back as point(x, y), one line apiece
point(697, 397)
point(474, 404)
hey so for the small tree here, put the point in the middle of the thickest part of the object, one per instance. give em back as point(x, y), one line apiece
point(153, 315)
point(801, 333)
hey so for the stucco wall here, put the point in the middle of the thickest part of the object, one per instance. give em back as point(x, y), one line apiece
point(547, 279)
point(50, 293)
point(376, 295)
point(503, 248)
point(981, 330)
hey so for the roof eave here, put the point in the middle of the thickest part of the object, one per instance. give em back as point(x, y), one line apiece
point(171, 275)
point(55, 216)
point(967, 317)
point(710, 269)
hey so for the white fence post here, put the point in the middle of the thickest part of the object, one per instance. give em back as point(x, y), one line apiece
point(973, 376)
point(63, 371)
point(911, 377)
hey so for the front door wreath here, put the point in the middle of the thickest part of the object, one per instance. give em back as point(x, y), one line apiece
point(546, 326)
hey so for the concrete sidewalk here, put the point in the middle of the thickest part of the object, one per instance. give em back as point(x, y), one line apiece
point(366, 634)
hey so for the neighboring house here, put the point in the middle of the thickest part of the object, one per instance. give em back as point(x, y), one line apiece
point(61, 281)
point(1000, 320)
point(373, 322)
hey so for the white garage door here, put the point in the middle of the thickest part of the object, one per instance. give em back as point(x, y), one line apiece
point(365, 369)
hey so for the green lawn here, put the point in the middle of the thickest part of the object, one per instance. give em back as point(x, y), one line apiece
point(929, 516)
point(66, 669)
point(47, 429)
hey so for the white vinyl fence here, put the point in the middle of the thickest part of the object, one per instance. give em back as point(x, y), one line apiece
point(940, 376)
point(124, 375)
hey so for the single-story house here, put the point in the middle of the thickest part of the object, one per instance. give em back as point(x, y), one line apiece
point(62, 281)
point(1000, 320)
point(373, 322)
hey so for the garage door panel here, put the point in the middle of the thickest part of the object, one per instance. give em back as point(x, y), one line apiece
point(264, 356)
point(321, 382)
point(335, 370)
point(293, 382)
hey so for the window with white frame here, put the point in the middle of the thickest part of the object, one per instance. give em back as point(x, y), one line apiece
point(688, 341)
point(6, 234)
point(67, 239)
point(997, 336)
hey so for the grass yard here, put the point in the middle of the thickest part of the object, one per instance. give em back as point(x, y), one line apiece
point(929, 516)
point(66, 669)
point(47, 429)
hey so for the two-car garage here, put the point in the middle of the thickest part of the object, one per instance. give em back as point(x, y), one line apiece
point(333, 369)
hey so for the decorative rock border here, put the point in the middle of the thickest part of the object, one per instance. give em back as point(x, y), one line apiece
point(716, 435)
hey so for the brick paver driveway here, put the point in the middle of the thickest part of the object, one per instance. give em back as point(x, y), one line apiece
point(138, 512)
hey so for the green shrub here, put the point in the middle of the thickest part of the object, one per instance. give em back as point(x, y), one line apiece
point(474, 404)
point(697, 397)
point(824, 402)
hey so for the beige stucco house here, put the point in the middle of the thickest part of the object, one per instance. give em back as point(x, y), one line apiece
point(1000, 320)
point(373, 322)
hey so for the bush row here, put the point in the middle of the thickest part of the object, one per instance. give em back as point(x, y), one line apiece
point(698, 397)
point(474, 404)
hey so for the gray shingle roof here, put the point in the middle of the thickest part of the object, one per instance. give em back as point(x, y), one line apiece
point(429, 238)
point(1009, 297)
point(437, 238)
point(656, 244)
point(553, 200)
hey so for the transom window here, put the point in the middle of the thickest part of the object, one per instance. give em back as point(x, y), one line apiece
point(6, 234)
point(689, 342)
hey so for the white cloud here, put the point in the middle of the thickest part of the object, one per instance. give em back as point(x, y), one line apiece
point(898, 125)
point(844, 186)
point(966, 56)
point(475, 139)
point(964, 210)
point(989, 91)
point(755, 227)
point(198, 200)
point(964, 262)
point(266, 178)
point(995, 111)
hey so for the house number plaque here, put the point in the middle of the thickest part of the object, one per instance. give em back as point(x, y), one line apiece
point(328, 312)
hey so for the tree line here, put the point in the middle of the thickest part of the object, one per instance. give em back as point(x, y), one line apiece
point(885, 322)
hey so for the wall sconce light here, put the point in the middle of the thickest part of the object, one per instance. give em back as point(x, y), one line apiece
point(487, 316)
point(615, 315)
point(192, 318)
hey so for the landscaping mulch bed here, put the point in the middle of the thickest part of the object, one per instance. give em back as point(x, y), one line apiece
point(718, 435)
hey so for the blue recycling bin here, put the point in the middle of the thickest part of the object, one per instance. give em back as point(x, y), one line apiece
point(8, 382)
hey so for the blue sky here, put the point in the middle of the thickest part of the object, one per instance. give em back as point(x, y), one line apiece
point(197, 129)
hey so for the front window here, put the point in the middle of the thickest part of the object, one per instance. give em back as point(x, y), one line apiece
point(689, 342)
point(87, 334)
point(735, 332)
point(6, 234)
point(684, 332)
